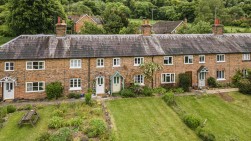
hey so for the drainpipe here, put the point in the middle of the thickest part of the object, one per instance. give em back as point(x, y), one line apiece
point(89, 72)
point(152, 72)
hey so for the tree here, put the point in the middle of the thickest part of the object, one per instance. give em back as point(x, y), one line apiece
point(149, 69)
point(91, 28)
point(33, 17)
point(196, 28)
point(143, 9)
point(168, 13)
point(133, 28)
point(186, 10)
point(115, 17)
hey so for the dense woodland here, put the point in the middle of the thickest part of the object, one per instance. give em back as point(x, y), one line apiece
point(39, 16)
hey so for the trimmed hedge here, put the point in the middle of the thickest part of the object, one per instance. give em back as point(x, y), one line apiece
point(169, 98)
point(192, 121)
point(54, 90)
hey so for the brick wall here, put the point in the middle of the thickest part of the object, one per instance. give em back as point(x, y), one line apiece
point(59, 70)
point(81, 23)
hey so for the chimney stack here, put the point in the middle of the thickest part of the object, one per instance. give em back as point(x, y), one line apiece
point(146, 28)
point(61, 28)
point(217, 28)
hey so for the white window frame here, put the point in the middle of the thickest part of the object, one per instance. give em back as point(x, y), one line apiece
point(220, 73)
point(9, 66)
point(75, 63)
point(138, 61)
point(204, 61)
point(190, 57)
point(100, 62)
point(245, 73)
point(117, 60)
point(139, 77)
point(32, 91)
point(167, 58)
point(220, 58)
point(32, 65)
point(171, 75)
point(246, 57)
point(73, 86)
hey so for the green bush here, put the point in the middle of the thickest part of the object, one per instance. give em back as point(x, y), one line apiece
point(88, 98)
point(192, 121)
point(127, 93)
point(211, 82)
point(96, 128)
point(54, 90)
point(178, 90)
point(244, 86)
point(63, 134)
point(159, 90)
point(11, 109)
point(58, 113)
point(185, 81)
point(169, 98)
point(74, 95)
point(56, 122)
point(75, 122)
point(205, 135)
point(3, 112)
point(237, 77)
point(43, 137)
point(136, 90)
point(147, 91)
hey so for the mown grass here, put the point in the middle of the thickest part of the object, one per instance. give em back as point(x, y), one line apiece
point(141, 20)
point(5, 39)
point(226, 120)
point(234, 29)
point(142, 119)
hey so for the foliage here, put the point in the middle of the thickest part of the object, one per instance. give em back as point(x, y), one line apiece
point(196, 28)
point(169, 98)
point(192, 121)
point(11, 109)
point(63, 134)
point(245, 86)
point(142, 9)
point(74, 95)
point(58, 113)
point(147, 91)
point(205, 135)
point(132, 28)
point(159, 90)
point(33, 17)
point(56, 122)
point(75, 122)
point(91, 28)
point(136, 89)
point(127, 93)
point(178, 90)
point(211, 82)
point(3, 112)
point(44, 137)
point(88, 98)
point(168, 13)
point(237, 77)
point(184, 81)
point(149, 69)
point(54, 90)
point(96, 128)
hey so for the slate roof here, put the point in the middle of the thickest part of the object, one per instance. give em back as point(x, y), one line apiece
point(82, 46)
point(166, 27)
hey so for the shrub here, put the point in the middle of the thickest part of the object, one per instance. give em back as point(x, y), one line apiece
point(58, 113)
point(168, 87)
point(169, 98)
point(211, 82)
point(192, 121)
point(43, 137)
point(11, 109)
point(205, 135)
point(237, 77)
point(127, 93)
point(184, 81)
point(56, 122)
point(54, 90)
point(96, 128)
point(136, 90)
point(88, 98)
point(3, 112)
point(63, 134)
point(159, 90)
point(76, 121)
point(147, 91)
point(178, 90)
point(74, 95)
point(245, 86)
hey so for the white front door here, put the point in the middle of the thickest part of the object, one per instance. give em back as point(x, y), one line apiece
point(202, 79)
point(8, 90)
point(116, 84)
point(100, 85)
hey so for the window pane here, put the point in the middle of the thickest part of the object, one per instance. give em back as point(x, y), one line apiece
point(29, 87)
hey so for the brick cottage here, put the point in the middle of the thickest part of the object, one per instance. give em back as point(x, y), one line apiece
point(29, 62)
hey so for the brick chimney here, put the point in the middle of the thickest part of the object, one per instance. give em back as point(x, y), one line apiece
point(146, 28)
point(217, 28)
point(61, 28)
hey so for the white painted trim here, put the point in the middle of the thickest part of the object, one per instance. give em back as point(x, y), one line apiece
point(78, 67)
point(170, 76)
point(32, 65)
point(188, 59)
point(83, 17)
point(177, 26)
point(168, 64)
point(5, 66)
point(140, 59)
point(220, 61)
point(204, 59)
point(97, 63)
point(113, 62)
point(32, 84)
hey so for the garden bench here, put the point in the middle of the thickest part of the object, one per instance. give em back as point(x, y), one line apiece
point(30, 117)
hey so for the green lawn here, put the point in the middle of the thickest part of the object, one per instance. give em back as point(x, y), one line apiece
point(234, 29)
point(5, 39)
point(142, 119)
point(140, 21)
point(226, 120)
point(11, 131)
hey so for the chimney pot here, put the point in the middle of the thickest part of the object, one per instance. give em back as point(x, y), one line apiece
point(217, 28)
point(61, 28)
point(146, 28)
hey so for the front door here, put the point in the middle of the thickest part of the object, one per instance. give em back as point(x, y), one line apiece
point(8, 90)
point(202, 79)
point(100, 85)
point(116, 84)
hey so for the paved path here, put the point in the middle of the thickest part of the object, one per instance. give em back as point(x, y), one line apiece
point(215, 91)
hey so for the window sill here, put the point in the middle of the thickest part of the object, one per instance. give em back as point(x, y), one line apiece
point(76, 68)
point(140, 84)
point(202, 62)
point(188, 63)
point(8, 70)
point(167, 82)
point(221, 79)
point(116, 66)
point(220, 61)
point(75, 89)
point(35, 91)
point(168, 64)
point(246, 60)
point(100, 66)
